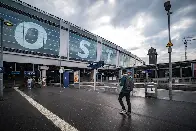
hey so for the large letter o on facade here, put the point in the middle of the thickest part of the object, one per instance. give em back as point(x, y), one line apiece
point(23, 27)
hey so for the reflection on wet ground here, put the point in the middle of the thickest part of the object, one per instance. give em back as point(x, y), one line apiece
point(178, 95)
point(99, 111)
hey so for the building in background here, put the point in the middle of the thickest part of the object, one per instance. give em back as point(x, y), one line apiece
point(152, 53)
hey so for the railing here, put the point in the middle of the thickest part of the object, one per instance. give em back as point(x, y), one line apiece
point(186, 80)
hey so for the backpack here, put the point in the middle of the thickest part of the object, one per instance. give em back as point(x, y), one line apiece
point(129, 84)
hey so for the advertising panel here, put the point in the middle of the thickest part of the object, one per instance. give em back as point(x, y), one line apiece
point(82, 48)
point(76, 76)
point(29, 34)
point(108, 55)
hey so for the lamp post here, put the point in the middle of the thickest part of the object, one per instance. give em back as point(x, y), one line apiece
point(167, 6)
point(7, 23)
point(186, 39)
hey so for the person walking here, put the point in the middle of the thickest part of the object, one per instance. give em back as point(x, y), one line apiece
point(127, 84)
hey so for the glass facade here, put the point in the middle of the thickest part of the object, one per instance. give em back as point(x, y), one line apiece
point(29, 34)
point(132, 61)
point(124, 60)
point(82, 48)
point(108, 55)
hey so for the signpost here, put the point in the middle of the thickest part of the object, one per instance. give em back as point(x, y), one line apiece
point(169, 44)
point(60, 71)
point(167, 6)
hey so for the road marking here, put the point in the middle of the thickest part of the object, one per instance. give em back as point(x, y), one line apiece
point(64, 126)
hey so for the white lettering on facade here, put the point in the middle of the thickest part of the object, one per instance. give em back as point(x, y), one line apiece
point(84, 49)
point(20, 37)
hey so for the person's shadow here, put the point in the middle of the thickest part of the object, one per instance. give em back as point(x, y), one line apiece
point(125, 123)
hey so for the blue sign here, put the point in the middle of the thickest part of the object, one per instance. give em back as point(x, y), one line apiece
point(148, 71)
point(1, 69)
point(15, 72)
point(66, 79)
point(29, 73)
point(96, 65)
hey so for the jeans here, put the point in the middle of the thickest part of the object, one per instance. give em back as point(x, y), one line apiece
point(127, 95)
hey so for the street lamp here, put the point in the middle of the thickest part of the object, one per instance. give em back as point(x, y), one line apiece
point(167, 6)
point(7, 23)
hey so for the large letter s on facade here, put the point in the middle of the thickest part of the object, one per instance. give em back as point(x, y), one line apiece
point(85, 50)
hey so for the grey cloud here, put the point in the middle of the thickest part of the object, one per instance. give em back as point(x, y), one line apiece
point(133, 48)
point(77, 18)
point(159, 14)
point(126, 10)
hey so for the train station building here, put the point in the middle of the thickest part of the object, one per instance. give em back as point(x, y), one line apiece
point(41, 43)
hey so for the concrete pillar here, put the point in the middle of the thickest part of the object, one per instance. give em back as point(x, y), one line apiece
point(14, 75)
point(107, 79)
point(180, 72)
point(92, 76)
point(120, 74)
point(33, 67)
point(44, 77)
point(146, 76)
point(43, 73)
point(44, 69)
point(15, 67)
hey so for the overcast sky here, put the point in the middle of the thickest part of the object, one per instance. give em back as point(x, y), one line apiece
point(135, 25)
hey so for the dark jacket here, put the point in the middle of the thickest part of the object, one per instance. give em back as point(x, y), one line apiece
point(122, 83)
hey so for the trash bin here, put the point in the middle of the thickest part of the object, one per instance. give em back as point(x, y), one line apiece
point(77, 85)
point(151, 89)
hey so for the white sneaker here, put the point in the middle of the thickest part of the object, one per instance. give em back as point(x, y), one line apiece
point(123, 112)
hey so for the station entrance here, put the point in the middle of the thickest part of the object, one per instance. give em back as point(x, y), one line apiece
point(16, 73)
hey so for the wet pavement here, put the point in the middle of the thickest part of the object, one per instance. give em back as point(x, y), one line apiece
point(96, 111)
point(16, 114)
point(178, 95)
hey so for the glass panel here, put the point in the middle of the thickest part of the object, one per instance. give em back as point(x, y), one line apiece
point(82, 48)
point(108, 55)
point(30, 34)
